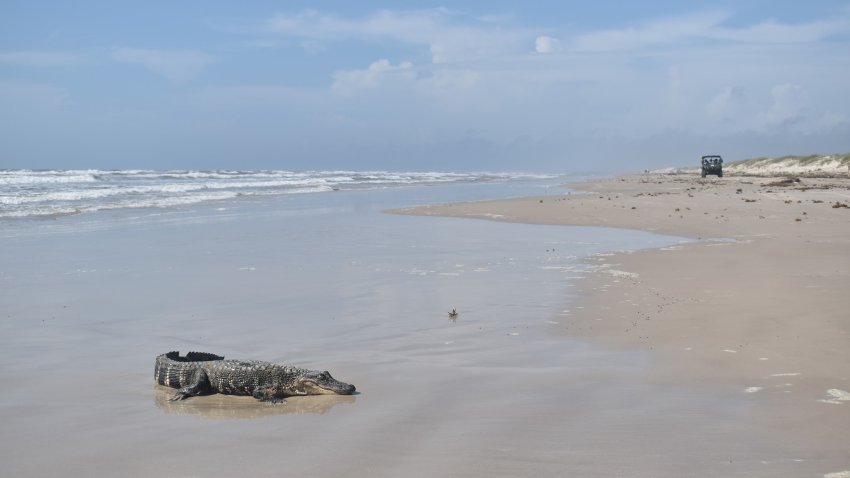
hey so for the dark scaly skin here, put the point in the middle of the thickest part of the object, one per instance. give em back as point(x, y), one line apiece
point(201, 373)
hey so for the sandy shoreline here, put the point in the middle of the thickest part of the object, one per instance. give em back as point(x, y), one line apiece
point(763, 310)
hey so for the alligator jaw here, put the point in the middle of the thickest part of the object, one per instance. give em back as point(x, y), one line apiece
point(321, 383)
point(313, 388)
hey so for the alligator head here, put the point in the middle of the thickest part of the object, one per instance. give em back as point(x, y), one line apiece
point(313, 382)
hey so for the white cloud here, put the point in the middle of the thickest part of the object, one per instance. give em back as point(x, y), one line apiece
point(790, 110)
point(689, 29)
point(413, 26)
point(178, 66)
point(771, 31)
point(546, 44)
point(790, 103)
point(456, 80)
point(376, 74)
point(448, 36)
point(665, 31)
point(726, 104)
point(793, 110)
point(39, 59)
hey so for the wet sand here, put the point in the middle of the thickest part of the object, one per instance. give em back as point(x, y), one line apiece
point(324, 282)
point(525, 382)
point(758, 307)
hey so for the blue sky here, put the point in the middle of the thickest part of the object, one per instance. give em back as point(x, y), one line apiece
point(475, 85)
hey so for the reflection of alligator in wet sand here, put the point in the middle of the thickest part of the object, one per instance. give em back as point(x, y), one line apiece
point(201, 373)
point(224, 407)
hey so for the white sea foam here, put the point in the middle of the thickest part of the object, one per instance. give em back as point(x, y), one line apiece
point(28, 177)
point(25, 193)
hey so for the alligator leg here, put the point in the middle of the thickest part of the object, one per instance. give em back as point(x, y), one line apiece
point(199, 385)
point(269, 394)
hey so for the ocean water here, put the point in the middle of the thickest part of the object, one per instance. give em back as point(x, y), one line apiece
point(49, 193)
point(302, 258)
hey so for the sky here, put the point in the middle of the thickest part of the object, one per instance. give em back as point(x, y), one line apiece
point(548, 86)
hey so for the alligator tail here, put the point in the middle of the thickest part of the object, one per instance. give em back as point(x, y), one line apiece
point(175, 371)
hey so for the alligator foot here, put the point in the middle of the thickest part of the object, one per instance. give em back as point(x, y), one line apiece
point(200, 385)
point(269, 394)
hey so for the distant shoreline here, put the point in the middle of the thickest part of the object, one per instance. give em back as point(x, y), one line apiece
point(812, 166)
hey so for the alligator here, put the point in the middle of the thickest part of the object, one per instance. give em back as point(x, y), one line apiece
point(200, 373)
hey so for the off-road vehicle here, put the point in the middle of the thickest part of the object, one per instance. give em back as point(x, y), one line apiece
point(712, 165)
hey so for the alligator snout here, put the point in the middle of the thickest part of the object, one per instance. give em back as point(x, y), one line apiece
point(340, 388)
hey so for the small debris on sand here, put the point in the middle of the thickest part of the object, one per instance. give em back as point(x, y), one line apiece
point(783, 182)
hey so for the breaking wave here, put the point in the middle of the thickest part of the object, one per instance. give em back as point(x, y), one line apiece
point(32, 193)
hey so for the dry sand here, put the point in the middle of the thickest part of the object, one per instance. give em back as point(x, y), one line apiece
point(761, 304)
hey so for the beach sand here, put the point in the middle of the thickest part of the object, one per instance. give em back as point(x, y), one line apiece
point(760, 305)
point(565, 359)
